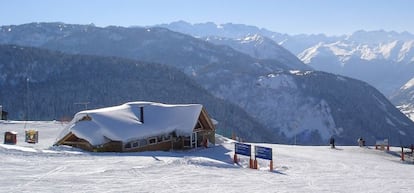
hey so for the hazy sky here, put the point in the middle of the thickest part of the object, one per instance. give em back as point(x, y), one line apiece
point(286, 16)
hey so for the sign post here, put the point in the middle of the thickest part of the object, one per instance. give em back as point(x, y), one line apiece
point(263, 153)
point(243, 149)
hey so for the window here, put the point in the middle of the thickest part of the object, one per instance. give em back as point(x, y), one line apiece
point(187, 142)
point(152, 140)
point(135, 144)
point(167, 137)
point(159, 139)
point(198, 126)
point(143, 142)
point(128, 145)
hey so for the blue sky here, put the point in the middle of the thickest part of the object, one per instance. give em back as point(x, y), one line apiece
point(332, 17)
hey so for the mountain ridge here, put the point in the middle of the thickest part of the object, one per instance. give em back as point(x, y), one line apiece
point(347, 55)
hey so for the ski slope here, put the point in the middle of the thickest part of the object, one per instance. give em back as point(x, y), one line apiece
point(43, 168)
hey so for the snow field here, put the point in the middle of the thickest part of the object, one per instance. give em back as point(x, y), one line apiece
point(42, 168)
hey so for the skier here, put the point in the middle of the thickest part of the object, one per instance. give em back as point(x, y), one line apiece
point(361, 142)
point(332, 142)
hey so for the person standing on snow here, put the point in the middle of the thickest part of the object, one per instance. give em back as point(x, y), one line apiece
point(332, 142)
point(361, 142)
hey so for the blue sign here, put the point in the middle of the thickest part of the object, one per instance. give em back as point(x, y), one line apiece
point(243, 149)
point(264, 153)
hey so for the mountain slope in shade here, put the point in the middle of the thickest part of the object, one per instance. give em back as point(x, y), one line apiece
point(39, 84)
point(309, 107)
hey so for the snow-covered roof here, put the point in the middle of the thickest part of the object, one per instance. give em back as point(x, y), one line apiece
point(122, 123)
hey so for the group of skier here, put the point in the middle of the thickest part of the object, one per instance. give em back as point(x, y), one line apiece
point(361, 142)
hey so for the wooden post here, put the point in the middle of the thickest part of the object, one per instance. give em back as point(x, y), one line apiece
point(251, 163)
point(388, 147)
point(255, 164)
point(235, 158)
point(402, 154)
point(271, 165)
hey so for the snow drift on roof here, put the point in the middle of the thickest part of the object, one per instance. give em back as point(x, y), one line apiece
point(122, 123)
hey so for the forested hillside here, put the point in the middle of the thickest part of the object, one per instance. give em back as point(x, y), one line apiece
point(38, 84)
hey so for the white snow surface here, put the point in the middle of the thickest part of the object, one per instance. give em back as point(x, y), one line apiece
point(408, 110)
point(121, 123)
point(407, 51)
point(42, 168)
point(408, 85)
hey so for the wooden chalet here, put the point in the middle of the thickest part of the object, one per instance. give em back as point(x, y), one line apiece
point(140, 126)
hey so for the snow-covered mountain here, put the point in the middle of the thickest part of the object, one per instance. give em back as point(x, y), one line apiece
point(258, 46)
point(367, 46)
point(383, 59)
point(294, 43)
point(303, 105)
point(404, 99)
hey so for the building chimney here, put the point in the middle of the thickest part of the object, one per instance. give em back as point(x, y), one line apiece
point(141, 114)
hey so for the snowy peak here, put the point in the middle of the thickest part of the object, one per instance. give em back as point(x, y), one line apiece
point(380, 58)
point(373, 37)
point(258, 39)
point(309, 54)
point(407, 51)
point(261, 47)
point(396, 50)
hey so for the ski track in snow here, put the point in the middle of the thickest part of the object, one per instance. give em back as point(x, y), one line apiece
point(40, 168)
